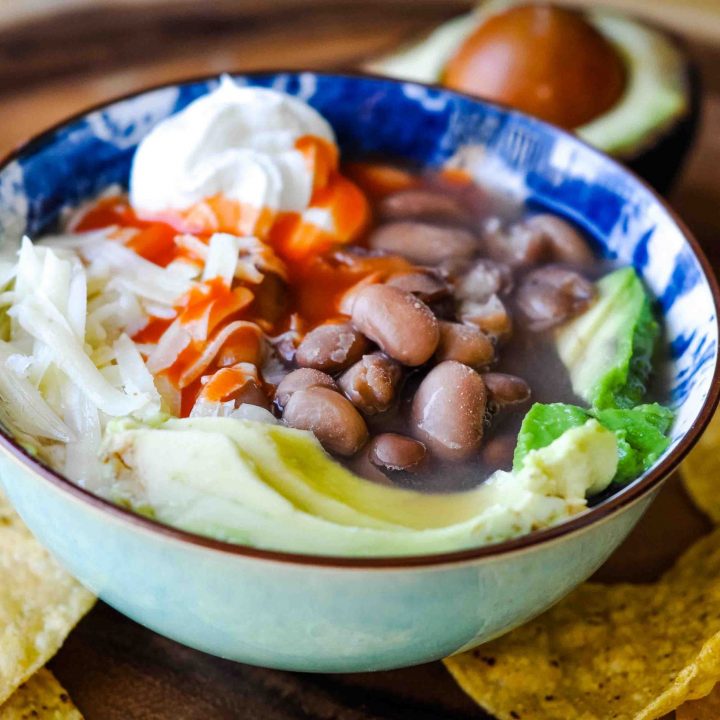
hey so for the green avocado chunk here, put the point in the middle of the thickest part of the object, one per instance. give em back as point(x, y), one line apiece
point(608, 349)
point(640, 433)
point(641, 436)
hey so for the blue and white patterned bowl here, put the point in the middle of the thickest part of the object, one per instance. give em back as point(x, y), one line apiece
point(337, 614)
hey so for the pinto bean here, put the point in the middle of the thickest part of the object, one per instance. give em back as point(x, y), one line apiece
point(551, 295)
point(347, 300)
point(396, 452)
point(497, 453)
point(362, 465)
point(301, 379)
point(562, 241)
point(331, 347)
point(402, 325)
point(423, 204)
point(452, 268)
point(490, 316)
point(466, 344)
point(424, 284)
point(448, 410)
point(271, 297)
point(422, 243)
point(543, 237)
point(252, 394)
point(331, 417)
point(371, 384)
point(285, 346)
point(485, 278)
point(515, 246)
point(503, 389)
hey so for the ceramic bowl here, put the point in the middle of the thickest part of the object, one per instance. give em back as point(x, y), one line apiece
point(337, 614)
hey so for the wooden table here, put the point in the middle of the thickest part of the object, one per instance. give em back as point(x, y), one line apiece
point(113, 668)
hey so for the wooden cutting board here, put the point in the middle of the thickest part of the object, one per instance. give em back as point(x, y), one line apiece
point(54, 65)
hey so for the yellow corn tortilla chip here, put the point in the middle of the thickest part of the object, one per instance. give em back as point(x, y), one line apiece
point(40, 603)
point(701, 472)
point(42, 696)
point(707, 708)
point(617, 652)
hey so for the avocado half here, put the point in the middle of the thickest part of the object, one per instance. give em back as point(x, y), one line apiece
point(650, 128)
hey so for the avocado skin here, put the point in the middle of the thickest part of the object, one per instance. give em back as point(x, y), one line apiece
point(661, 162)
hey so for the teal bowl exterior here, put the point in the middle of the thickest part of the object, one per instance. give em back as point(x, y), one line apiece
point(353, 614)
point(312, 618)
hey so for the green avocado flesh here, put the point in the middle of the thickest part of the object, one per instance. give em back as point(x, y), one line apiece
point(608, 349)
point(274, 487)
point(608, 352)
point(640, 433)
point(656, 94)
point(543, 424)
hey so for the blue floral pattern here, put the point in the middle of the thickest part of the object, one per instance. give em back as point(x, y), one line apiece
point(424, 126)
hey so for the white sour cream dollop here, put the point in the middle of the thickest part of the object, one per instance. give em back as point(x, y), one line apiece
point(236, 142)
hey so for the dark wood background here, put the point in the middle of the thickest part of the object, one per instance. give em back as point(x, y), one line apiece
point(57, 63)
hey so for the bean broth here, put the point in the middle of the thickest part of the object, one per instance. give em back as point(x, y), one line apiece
point(414, 352)
point(452, 201)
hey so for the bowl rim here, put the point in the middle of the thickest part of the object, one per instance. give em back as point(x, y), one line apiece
point(603, 510)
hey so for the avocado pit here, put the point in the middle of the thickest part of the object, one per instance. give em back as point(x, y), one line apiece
point(547, 61)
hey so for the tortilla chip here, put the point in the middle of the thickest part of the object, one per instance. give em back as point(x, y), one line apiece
point(622, 652)
point(40, 603)
point(701, 472)
point(708, 708)
point(41, 696)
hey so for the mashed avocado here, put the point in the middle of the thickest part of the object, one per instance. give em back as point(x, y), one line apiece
point(274, 487)
point(641, 433)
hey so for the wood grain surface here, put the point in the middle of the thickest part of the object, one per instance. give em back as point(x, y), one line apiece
point(55, 65)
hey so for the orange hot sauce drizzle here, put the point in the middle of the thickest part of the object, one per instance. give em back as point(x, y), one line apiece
point(216, 298)
point(220, 214)
point(317, 286)
point(224, 383)
point(378, 180)
point(153, 331)
point(338, 201)
point(212, 303)
point(456, 176)
point(318, 273)
point(155, 241)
